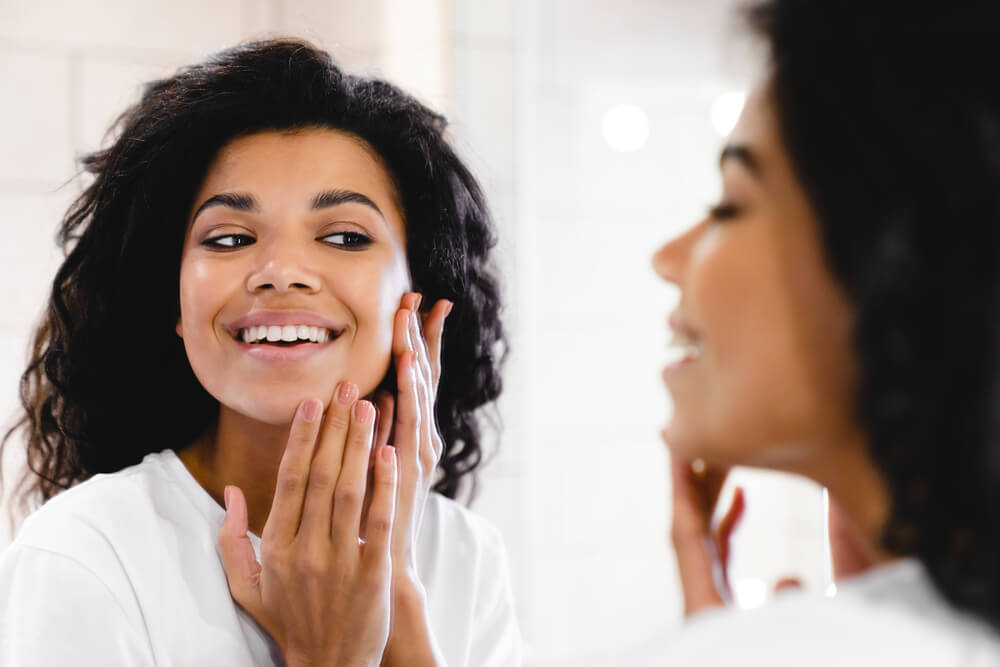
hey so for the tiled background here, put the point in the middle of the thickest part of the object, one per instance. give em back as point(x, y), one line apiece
point(579, 486)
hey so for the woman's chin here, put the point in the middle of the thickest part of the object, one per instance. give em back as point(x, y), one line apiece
point(277, 411)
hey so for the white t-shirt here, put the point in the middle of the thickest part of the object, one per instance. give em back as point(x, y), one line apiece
point(892, 615)
point(124, 569)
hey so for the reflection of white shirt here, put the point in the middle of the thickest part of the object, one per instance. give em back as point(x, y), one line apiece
point(124, 570)
point(891, 615)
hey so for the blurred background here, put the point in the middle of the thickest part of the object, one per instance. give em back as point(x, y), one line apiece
point(595, 127)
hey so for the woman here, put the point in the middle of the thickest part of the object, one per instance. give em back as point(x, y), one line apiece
point(244, 263)
point(838, 320)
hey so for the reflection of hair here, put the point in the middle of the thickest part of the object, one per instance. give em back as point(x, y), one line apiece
point(891, 114)
point(109, 381)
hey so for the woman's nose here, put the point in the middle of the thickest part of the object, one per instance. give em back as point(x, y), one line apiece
point(283, 269)
point(670, 260)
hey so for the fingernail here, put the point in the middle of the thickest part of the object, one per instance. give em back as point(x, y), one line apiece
point(447, 310)
point(388, 454)
point(311, 409)
point(362, 412)
point(416, 304)
point(347, 393)
point(226, 493)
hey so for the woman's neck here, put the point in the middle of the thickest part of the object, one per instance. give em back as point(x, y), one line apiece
point(242, 452)
point(860, 502)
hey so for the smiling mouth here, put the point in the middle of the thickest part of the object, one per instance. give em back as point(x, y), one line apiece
point(288, 335)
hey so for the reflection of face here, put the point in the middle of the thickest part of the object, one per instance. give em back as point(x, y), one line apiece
point(291, 229)
point(769, 373)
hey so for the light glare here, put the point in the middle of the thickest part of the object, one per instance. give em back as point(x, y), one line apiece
point(726, 111)
point(625, 127)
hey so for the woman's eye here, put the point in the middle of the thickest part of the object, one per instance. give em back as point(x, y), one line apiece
point(723, 211)
point(229, 241)
point(350, 240)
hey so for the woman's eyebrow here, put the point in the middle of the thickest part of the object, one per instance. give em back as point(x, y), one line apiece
point(329, 198)
point(235, 200)
point(741, 154)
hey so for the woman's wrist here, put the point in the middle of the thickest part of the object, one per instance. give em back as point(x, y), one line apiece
point(411, 641)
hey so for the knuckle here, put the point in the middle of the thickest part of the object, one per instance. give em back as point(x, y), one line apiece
point(273, 558)
point(381, 525)
point(310, 563)
point(348, 494)
point(321, 479)
point(289, 482)
point(339, 420)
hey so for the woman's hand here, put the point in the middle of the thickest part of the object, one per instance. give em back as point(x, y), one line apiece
point(321, 593)
point(417, 354)
point(702, 552)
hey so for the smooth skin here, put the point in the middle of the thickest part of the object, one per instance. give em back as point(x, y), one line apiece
point(774, 383)
point(270, 243)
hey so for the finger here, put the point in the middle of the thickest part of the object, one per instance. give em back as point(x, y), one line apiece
point(724, 531)
point(787, 584)
point(709, 483)
point(411, 301)
point(407, 428)
point(433, 333)
point(385, 406)
point(293, 473)
point(350, 494)
point(381, 514)
point(326, 465)
point(427, 444)
point(420, 347)
point(692, 544)
point(401, 333)
point(238, 557)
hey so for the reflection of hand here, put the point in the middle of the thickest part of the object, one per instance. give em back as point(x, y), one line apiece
point(321, 593)
point(701, 550)
point(418, 446)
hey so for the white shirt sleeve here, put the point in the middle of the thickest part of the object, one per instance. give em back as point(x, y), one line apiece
point(56, 611)
point(497, 639)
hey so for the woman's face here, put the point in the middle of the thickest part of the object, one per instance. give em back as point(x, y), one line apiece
point(766, 373)
point(293, 266)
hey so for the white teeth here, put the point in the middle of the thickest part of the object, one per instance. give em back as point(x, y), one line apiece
point(288, 333)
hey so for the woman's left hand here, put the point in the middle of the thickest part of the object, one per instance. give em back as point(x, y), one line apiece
point(416, 350)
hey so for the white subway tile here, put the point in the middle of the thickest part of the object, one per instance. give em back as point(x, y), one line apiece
point(34, 119)
point(188, 26)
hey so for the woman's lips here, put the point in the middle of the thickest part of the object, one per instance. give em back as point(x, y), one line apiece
point(273, 353)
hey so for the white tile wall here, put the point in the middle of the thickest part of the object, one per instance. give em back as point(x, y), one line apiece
point(35, 133)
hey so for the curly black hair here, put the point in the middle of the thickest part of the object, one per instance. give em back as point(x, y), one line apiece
point(90, 394)
point(890, 112)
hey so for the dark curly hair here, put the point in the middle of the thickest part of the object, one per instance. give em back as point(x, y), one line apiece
point(90, 393)
point(890, 112)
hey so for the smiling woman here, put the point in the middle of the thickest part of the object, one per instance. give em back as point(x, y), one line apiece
point(272, 227)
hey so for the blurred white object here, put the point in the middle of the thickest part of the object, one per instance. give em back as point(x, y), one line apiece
point(749, 593)
point(626, 127)
point(726, 111)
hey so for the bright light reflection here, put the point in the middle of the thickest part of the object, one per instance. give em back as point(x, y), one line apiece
point(726, 111)
point(625, 127)
point(749, 593)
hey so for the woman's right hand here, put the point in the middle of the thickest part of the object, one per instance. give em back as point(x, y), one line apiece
point(318, 590)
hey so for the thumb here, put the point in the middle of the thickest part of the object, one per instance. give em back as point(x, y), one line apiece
point(238, 557)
